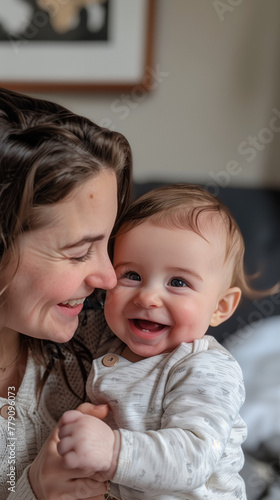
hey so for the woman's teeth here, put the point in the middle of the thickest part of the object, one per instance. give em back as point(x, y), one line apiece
point(72, 303)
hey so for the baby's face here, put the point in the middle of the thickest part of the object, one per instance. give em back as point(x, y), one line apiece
point(169, 285)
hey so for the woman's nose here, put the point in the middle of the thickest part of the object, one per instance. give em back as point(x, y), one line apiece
point(103, 276)
point(148, 298)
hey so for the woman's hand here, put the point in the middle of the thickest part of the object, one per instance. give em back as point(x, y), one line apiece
point(50, 480)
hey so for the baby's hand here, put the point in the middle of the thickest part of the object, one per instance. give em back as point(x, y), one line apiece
point(88, 443)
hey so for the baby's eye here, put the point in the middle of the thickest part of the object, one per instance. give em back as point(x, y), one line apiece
point(132, 275)
point(178, 282)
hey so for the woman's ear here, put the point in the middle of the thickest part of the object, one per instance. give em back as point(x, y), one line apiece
point(226, 306)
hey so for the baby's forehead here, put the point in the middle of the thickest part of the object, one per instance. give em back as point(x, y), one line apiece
point(206, 223)
point(209, 223)
point(208, 227)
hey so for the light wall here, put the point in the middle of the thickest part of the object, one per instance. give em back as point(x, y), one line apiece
point(214, 115)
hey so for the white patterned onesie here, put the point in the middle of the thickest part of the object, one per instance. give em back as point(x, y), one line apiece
point(178, 416)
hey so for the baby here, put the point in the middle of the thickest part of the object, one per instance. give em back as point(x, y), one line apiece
point(174, 429)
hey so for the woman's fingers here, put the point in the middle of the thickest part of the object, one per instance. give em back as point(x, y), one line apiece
point(50, 479)
point(98, 411)
point(81, 489)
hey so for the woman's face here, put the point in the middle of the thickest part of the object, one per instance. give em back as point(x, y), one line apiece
point(61, 264)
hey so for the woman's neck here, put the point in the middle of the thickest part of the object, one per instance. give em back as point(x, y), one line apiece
point(9, 346)
point(13, 358)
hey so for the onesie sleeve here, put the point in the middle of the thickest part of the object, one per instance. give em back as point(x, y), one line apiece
point(200, 424)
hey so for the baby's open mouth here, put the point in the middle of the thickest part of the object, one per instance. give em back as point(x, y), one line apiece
point(148, 326)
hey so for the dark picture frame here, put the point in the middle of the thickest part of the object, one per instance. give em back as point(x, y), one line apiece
point(121, 62)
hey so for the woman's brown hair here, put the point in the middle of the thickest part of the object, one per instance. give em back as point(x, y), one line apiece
point(46, 151)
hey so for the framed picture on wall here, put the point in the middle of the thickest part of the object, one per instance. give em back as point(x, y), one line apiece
point(75, 45)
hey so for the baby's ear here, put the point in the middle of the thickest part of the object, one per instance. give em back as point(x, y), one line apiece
point(226, 306)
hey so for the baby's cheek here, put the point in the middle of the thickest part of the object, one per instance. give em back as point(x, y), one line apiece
point(114, 296)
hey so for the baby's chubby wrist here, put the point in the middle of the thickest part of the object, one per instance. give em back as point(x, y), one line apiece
point(115, 455)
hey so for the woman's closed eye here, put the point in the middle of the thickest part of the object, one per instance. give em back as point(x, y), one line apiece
point(85, 257)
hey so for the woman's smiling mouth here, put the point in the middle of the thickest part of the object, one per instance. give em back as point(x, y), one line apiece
point(72, 302)
point(71, 307)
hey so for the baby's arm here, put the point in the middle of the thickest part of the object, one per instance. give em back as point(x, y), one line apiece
point(201, 404)
point(87, 443)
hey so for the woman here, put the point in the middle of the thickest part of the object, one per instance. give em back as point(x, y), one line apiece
point(63, 181)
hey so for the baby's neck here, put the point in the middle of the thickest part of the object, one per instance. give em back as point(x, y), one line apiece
point(131, 356)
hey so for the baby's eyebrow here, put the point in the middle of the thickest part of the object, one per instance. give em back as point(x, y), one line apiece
point(124, 264)
point(86, 239)
point(187, 271)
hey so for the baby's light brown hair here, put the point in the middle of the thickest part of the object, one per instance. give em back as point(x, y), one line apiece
point(180, 206)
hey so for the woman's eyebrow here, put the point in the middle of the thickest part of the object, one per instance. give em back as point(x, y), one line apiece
point(85, 239)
